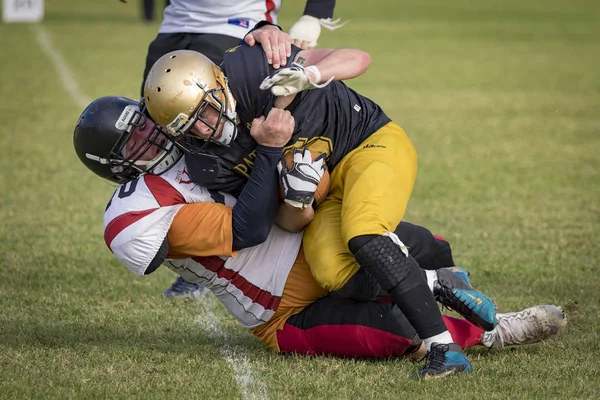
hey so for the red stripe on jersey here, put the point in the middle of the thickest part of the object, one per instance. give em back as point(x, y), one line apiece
point(115, 226)
point(163, 192)
point(270, 4)
point(259, 296)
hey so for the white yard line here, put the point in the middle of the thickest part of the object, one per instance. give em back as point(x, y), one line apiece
point(62, 68)
point(236, 357)
point(251, 387)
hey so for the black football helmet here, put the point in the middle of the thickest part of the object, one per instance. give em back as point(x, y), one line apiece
point(101, 140)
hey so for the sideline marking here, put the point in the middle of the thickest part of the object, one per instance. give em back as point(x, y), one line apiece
point(62, 68)
point(251, 387)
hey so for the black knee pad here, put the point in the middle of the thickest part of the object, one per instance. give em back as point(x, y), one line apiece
point(385, 261)
point(361, 287)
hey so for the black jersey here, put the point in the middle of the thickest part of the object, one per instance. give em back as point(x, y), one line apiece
point(334, 119)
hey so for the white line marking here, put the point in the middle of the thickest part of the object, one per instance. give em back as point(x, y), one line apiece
point(62, 68)
point(236, 357)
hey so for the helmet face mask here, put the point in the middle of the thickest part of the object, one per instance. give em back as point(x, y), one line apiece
point(143, 146)
point(222, 128)
point(181, 88)
point(115, 140)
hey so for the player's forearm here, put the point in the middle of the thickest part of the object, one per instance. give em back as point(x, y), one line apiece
point(341, 64)
point(254, 213)
point(294, 219)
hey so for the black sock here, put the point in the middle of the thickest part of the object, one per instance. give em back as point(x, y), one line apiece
point(420, 309)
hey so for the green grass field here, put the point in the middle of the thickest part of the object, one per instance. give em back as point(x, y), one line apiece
point(502, 100)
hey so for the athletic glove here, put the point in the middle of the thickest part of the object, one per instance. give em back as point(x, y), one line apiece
point(301, 181)
point(291, 80)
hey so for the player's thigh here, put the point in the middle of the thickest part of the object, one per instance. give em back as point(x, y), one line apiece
point(211, 45)
point(330, 261)
point(345, 328)
point(377, 180)
point(429, 250)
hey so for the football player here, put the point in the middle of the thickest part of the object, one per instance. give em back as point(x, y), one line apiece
point(211, 27)
point(158, 216)
point(209, 111)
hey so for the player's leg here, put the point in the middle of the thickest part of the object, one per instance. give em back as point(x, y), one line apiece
point(377, 180)
point(450, 284)
point(211, 45)
point(446, 284)
point(431, 251)
point(346, 328)
point(148, 10)
point(327, 252)
point(328, 255)
point(375, 186)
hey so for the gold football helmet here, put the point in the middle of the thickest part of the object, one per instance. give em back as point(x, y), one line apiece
point(179, 88)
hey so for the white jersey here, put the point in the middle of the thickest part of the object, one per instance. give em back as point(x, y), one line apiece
point(224, 17)
point(250, 284)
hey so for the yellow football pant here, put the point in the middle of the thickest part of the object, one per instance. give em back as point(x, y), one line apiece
point(368, 195)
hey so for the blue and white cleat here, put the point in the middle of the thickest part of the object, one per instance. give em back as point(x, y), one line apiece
point(453, 289)
point(183, 288)
point(443, 360)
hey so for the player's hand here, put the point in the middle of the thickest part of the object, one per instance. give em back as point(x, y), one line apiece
point(276, 44)
point(274, 131)
point(301, 181)
point(291, 80)
point(305, 32)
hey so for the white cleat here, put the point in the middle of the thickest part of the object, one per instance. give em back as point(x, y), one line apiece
point(530, 325)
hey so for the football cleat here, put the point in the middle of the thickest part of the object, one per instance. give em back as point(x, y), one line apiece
point(183, 288)
point(453, 289)
point(530, 325)
point(443, 360)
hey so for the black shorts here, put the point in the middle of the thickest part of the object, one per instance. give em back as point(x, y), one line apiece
point(211, 45)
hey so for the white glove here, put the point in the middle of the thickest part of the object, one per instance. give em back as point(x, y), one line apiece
point(308, 28)
point(301, 181)
point(291, 80)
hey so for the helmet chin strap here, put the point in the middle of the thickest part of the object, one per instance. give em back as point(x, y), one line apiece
point(228, 133)
point(168, 161)
point(229, 128)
